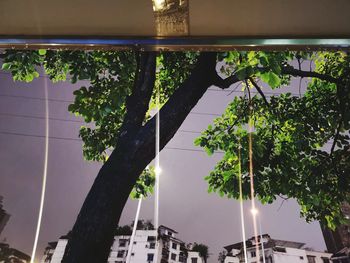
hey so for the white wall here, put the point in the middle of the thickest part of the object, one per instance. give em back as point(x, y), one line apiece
point(318, 255)
point(230, 259)
point(195, 255)
point(292, 255)
point(140, 248)
point(59, 251)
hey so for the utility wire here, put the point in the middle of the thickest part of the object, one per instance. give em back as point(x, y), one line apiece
point(75, 121)
point(66, 120)
point(38, 117)
point(76, 139)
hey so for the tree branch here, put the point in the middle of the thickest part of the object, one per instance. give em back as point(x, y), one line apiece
point(260, 91)
point(286, 70)
point(137, 103)
point(179, 105)
point(336, 137)
point(225, 83)
point(289, 70)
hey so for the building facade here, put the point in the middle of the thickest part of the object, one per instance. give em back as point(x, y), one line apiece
point(8, 254)
point(170, 249)
point(275, 251)
point(4, 216)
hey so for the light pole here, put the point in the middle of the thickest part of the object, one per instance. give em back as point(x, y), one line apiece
point(255, 213)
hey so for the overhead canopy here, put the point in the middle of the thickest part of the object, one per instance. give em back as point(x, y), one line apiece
point(207, 21)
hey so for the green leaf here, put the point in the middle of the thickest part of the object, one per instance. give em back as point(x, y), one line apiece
point(197, 141)
point(271, 78)
point(29, 78)
point(244, 73)
point(209, 151)
point(6, 66)
point(42, 52)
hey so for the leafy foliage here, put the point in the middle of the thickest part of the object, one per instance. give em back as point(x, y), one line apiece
point(290, 153)
point(202, 249)
point(108, 77)
point(144, 184)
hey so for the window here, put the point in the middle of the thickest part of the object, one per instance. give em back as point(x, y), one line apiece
point(133, 254)
point(174, 246)
point(173, 256)
point(311, 259)
point(253, 254)
point(152, 245)
point(301, 257)
point(325, 260)
point(120, 254)
point(122, 242)
point(150, 257)
point(280, 249)
point(134, 242)
point(170, 233)
point(151, 238)
point(194, 260)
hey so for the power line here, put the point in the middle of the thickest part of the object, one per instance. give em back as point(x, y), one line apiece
point(76, 121)
point(38, 117)
point(35, 98)
point(252, 92)
point(190, 150)
point(209, 89)
point(205, 113)
point(76, 139)
point(39, 136)
point(66, 120)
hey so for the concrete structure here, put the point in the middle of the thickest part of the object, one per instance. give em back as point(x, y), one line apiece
point(8, 254)
point(4, 217)
point(170, 249)
point(193, 257)
point(275, 251)
point(338, 241)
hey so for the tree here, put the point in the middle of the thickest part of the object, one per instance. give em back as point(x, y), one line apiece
point(291, 133)
point(123, 231)
point(202, 249)
point(222, 256)
point(121, 94)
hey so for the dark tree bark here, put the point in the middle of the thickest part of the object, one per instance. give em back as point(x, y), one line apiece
point(93, 231)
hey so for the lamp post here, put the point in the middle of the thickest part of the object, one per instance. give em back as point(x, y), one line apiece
point(255, 213)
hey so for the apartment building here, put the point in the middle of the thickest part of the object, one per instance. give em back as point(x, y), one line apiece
point(169, 249)
point(275, 251)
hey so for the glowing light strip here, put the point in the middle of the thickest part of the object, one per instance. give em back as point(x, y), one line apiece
point(132, 238)
point(241, 203)
point(262, 243)
point(43, 189)
point(252, 196)
point(157, 172)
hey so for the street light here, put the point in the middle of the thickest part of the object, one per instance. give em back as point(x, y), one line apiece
point(255, 212)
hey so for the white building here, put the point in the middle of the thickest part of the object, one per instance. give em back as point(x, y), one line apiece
point(275, 251)
point(193, 257)
point(170, 249)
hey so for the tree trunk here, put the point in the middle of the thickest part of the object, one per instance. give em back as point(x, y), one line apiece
point(93, 232)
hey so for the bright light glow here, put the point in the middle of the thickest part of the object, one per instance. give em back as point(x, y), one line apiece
point(241, 204)
point(254, 211)
point(158, 170)
point(158, 5)
point(128, 257)
point(43, 188)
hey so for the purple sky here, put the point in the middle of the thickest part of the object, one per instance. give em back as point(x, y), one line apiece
point(185, 204)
